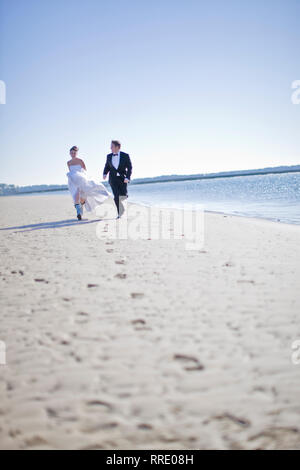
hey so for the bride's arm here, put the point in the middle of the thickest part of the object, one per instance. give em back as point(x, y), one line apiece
point(83, 164)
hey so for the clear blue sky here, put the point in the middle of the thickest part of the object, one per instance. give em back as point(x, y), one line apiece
point(187, 86)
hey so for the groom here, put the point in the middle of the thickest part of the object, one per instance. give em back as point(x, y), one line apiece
point(119, 166)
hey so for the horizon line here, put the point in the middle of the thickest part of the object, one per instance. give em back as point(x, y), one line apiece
point(169, 178)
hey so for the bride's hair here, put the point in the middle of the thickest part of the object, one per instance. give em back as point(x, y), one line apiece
point(74, 148)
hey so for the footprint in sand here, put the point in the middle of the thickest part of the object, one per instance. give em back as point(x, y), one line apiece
point(139, 324)
point(35, 441)
point(99, 403)
point(110, 250)
point(82, 318)
point(191, 363)
point(144, 426)
point(242, 422)
point(42, 280)
point(280, 437)
point(137, 295)
point(65, 340)
point(14, 432)
point(138, 321)
point(120, 261)
point(92, 285)
point(232, 327)
point(121, 275)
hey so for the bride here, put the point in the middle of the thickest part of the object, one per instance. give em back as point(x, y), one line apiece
point(85, 192)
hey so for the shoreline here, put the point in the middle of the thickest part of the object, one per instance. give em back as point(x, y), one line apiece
point(46, 193)
point(226, 214)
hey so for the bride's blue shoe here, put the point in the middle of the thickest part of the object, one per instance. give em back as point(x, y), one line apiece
point(78, 208)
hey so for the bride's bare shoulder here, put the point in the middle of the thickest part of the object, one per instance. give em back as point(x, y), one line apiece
point(74, 161)
point(81, 162)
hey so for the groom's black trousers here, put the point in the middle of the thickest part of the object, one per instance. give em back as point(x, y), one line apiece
point(119, 189)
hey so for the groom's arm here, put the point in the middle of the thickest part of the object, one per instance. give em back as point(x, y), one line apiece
point(106, 169)
point(129, 168)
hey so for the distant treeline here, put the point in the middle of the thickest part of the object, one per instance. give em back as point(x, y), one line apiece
point(223, 174)
point(10, 189)
point(7, 189)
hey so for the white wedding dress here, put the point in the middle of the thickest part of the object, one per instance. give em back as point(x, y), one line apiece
point(93, 193)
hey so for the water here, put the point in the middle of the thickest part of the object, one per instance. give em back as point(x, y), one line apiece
point(274, 197)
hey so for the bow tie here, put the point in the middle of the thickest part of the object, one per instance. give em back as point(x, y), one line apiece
point(115, 154)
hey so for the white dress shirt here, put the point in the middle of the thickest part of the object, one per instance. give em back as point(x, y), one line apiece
point(115, 161)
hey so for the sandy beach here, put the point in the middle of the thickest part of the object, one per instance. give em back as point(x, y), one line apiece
point(143, 344)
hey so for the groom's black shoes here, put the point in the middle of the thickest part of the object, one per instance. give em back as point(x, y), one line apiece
point(79, 216)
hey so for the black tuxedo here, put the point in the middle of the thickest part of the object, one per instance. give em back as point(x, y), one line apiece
point(117, 176)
